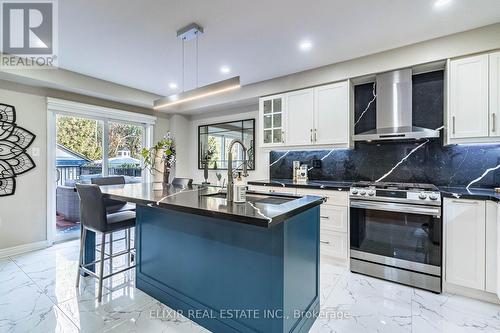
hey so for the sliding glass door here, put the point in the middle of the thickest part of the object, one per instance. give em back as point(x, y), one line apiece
point(86, 148)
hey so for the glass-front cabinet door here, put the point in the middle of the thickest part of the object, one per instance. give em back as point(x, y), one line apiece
point(271, 111)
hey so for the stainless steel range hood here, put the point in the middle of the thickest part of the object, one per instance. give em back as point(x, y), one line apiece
point(394, 110)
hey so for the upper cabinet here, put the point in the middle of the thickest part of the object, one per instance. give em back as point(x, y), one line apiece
point(495, 94)
point(299, 117)
point(309, 117)
point(473, 99)
point(271, 120)
point(331, 114)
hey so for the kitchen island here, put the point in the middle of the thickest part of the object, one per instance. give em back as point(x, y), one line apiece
point(231, 267)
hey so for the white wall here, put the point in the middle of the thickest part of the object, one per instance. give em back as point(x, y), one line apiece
point(456, 45)
point(23, 215)
point(261, 157)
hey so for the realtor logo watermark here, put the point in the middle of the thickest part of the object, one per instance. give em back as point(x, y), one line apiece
point(29, 34)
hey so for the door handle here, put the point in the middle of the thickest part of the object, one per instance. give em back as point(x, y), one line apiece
point(324, 242)
point(453, 124)
point(493, 126)
point(315, 135)
point(325, 217)
point(282, 136)
point(311, 135)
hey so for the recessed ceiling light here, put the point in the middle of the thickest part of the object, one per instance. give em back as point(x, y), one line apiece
point(441, 3)
point(225, 70)
point(305, 45)
point(172, 85)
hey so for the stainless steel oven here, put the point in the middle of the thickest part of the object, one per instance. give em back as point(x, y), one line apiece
point(396, 233)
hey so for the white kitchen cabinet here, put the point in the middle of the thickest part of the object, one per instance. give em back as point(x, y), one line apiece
point(333, 244)
point(331, 114)
point(494, 94)
point(491, 247)
point(465, 229)
point(468, 100)
point(465, 242)
point(334, 219)
point(272, 189)
point(306, 118)
point(473, 103)
point(271, 115)
point(299, 117)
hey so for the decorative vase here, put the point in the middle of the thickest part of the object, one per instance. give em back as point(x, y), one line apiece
point(158, 170)
point(166, 174)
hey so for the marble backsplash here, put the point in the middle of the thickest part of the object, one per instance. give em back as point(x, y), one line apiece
point(426, 161)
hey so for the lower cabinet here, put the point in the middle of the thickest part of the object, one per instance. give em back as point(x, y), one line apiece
point(470, 243)
point(334, 217)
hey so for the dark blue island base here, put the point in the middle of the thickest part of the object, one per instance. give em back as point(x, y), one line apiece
point(231, 277)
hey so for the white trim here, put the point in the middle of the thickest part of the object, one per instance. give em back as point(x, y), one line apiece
point(51, 176)
point(98, 112)
point(15, 250)
point(469, 292)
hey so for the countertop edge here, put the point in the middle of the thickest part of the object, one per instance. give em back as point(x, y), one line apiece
point(256, 221)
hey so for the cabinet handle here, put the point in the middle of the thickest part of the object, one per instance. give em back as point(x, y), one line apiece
point(311, 135)
point(315, 135)
point(493, 127)
point(325, 217)
point(453, 124)
point(324, 242)
point(282, 136)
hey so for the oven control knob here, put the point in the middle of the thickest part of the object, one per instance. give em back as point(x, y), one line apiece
point(354, 191)
point(422, 195)
point(362, 192)
point(371, 193)
point(433, 196)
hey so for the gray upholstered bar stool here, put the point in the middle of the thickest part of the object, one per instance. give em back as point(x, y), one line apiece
point(114, 206)
point(93, 217)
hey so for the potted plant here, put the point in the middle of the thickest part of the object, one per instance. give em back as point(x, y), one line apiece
point(160, 159)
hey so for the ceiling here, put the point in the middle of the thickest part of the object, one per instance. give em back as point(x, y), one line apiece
point(134, 42)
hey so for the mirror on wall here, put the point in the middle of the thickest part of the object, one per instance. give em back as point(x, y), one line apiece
point(214, 140)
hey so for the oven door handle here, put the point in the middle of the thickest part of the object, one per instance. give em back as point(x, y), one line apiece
point(397, 207)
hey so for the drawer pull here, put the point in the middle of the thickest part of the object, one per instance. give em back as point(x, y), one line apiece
point(325, 217)
point(324, 242)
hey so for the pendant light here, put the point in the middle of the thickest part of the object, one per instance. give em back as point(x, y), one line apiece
point(187, 33)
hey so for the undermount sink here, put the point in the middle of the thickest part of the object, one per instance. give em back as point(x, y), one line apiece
point(257, 198)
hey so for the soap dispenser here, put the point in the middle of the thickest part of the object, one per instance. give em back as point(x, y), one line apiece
point(240, 189)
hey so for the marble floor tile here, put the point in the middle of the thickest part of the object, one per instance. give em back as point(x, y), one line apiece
point(329, 276)
point(24, 308)
point(363, 304)
point(452, 313)
point(38, 294)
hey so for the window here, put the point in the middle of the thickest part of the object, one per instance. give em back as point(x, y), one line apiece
point(214, 141)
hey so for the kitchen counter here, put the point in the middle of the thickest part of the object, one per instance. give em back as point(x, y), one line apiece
point(212, 260)
point(473, 193)
point(319, 184)
point(197, 199)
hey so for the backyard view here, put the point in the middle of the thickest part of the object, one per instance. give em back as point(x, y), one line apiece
point(79, 158)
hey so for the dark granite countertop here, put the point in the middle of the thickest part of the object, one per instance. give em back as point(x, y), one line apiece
point(194, 200)
point(319, 184)
point(472, 193)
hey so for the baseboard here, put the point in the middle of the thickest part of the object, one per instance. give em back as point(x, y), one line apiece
point(15, 250)
point(471, 293)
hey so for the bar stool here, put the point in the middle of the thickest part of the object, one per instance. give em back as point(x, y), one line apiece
point(93, 217)
point(114, 206)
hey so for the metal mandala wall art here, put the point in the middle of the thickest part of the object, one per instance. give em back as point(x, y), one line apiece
point(14, 141)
